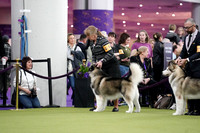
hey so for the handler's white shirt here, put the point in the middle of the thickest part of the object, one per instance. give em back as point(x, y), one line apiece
point(194, 34)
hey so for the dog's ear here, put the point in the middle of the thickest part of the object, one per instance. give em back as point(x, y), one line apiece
point(172, 64)
point(92, 67)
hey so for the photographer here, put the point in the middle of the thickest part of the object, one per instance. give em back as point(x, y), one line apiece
point(27, 86)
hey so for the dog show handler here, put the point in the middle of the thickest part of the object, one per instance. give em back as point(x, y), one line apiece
point(102, 54)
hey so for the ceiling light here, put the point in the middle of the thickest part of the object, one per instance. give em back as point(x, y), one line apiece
point(152, 25)
point(140, 5)
point(139, 16)
point(72, 25)
point(157, 13)
point(125, 30)
point(124, 25)
point(123, 14)
point(124, 22)
point(159, 7)
point(122, 8)
point(136, 35)
point(173, 15)
point(163, 29)
point(181, 4)
point(138, 23)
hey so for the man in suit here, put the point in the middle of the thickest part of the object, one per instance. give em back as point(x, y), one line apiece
point(190, 54)
point(82, 44)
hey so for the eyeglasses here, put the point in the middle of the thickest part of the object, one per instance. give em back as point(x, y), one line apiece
point(188, 27)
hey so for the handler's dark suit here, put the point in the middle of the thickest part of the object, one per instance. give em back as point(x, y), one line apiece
point(193, 53)
point(193, 66)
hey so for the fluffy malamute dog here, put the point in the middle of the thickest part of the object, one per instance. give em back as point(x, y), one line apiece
point(108, 88)
point(183, 87)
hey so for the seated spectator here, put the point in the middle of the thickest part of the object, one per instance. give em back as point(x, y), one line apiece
point(140, 56)
point(177, 50)
point(27, 86)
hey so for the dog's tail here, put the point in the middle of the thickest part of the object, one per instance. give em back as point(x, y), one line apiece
point(136, 73)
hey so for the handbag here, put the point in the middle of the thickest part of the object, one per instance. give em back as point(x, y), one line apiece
point(164, 102)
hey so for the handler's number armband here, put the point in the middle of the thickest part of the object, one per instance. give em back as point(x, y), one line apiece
point(121, 51)
point(107, 47)
point(198, 49)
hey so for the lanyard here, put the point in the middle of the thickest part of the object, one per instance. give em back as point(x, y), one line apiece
point(145, 69)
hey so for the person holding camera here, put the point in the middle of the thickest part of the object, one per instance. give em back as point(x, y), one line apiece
point(27, 85)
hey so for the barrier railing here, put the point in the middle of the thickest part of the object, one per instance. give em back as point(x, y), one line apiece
point(57, 77)
point(40, 76)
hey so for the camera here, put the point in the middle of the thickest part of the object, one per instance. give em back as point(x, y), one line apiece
point(33, 93)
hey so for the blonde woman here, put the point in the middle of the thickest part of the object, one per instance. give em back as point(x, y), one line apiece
point(140, 56)
point(102, 54)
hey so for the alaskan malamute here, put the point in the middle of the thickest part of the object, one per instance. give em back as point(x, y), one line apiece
point(108, 88)
point(183, 87)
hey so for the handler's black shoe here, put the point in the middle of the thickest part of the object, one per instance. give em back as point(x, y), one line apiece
point(196, 113)
point(115, 110)
point(189, 113)
point(92, 109)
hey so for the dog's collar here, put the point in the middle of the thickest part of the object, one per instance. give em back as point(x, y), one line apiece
point(170, 70)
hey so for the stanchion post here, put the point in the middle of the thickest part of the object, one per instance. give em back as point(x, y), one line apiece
point(49, 81)
point(17, 84)
point(84, 62)
point(50, 85)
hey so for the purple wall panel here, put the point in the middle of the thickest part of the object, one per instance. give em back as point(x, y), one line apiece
point(5, 29)
point(102, 19)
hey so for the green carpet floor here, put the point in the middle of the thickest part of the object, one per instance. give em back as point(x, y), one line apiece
point(81, 120)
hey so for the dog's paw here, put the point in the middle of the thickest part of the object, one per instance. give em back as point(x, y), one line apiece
point(128, 111)
point(176, 113)
point(96, 110)
point(137, 111)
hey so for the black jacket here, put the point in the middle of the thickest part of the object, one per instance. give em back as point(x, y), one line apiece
point(173, 37)
point(193, 66)
point(148, 70)
point(158, 54)
point(83, 48)
point(2, 52)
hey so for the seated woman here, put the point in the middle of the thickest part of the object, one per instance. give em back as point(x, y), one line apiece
point(140, 56)
point(27, 85)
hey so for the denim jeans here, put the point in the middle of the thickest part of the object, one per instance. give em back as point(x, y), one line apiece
point(123, 69)
point(29, 102)
point(72, 82)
